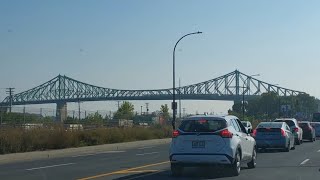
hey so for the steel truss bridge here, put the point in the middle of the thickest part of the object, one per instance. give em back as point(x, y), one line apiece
point(232, 87)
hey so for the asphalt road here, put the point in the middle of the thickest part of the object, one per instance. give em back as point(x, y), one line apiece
point(151, 163)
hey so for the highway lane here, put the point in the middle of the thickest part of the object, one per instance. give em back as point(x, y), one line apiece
point(152, 163)
point(75, 167)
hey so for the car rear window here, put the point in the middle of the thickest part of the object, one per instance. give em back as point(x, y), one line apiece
point(315, 125)
point(202, 125)
point(289, 122)
point(303, 125)
point(270, 125)
point(245, 123)
point(269, 129)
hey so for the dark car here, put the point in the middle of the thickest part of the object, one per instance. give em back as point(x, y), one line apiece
point(308, 131)
point(274, 135)
point(316, 126)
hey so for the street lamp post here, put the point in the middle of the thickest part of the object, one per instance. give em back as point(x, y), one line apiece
point(174, 104)
point(243, 111)
point(279, 103)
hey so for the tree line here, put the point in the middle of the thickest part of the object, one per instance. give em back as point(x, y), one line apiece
point(270, 106)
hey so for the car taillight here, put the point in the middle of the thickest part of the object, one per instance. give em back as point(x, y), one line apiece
point(283, 133)
point(254, 133)
point(296, 129)
point(226, 133)
point(175, 133)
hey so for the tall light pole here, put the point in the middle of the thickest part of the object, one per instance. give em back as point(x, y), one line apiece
point(243, 109)
point(179, 100)
point(174, 104)
point(279, 103)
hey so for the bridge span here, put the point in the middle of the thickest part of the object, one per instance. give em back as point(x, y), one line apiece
point(62, 90)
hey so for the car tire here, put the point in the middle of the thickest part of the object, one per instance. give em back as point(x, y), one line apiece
point(176, 170)
point(236, 165)
point(253, 163)
point(287, 149)
point(293, 147)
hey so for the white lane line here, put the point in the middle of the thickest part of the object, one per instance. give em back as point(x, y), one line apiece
point(147, 147)
point(304, 162)
point(93, 154)
point(45, 167)
point(147, 153)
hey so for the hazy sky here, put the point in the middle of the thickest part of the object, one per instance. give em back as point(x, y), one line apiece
point(128, 44)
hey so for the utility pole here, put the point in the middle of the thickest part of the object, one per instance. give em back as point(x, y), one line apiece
point(184, 112)
point(141, 111)
point(118, 105)
point(10, 92)
point(147, 107)
point(24, 115)
point(79, 111)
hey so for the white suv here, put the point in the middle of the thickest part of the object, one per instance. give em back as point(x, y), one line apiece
point(212, 140)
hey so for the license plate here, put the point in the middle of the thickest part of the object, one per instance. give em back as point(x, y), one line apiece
point(198, 144)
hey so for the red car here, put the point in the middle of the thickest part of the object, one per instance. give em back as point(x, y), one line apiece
point(308, 131)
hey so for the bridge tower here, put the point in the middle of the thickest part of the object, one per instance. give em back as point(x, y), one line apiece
point(61, 111)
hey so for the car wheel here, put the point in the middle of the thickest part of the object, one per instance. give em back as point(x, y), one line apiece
point(287, 149)
point(236, 166)
point(293, 147)
point(176, 170)
point(252, 164)
point(311, 140)
point(298, 142)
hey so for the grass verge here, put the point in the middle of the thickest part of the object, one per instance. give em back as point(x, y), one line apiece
point(14, 140)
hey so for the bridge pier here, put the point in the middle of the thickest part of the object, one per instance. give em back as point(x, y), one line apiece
point(61, 112)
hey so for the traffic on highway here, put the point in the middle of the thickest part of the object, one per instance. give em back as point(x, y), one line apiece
point(202, 147)
point(156, 90)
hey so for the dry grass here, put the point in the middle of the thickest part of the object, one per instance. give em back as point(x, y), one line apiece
point(13, 140)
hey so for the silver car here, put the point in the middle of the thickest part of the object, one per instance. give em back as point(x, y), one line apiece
point(211, 140)
point(295, 129)
point(274, 135)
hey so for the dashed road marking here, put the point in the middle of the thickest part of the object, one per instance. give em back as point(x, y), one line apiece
point(147, 147)
point(45, 167)
point(147, 153)
point(93, 154)
point(304, 162)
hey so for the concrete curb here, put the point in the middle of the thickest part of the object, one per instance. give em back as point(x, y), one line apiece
point(40, 155)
